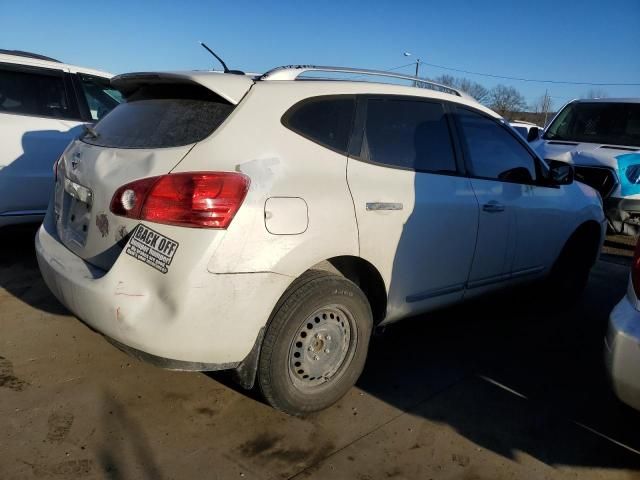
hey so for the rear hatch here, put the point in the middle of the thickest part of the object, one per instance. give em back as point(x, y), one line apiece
point(163, 118)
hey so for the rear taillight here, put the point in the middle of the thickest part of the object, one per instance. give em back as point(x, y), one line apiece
point(635, 271)
point(194, 199)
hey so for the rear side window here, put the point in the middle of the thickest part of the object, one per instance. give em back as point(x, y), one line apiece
point(494, 152)
point(100, 95)
point(160, 116)
point(324, 120)
point(408, 134)
point(38, 92)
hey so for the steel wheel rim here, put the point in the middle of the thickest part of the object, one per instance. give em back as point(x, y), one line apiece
point(321, 347)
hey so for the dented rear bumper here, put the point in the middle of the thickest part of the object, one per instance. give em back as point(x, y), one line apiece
point(186, 318)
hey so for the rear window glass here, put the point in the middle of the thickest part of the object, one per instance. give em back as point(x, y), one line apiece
point(324, 120)
point(160, 116)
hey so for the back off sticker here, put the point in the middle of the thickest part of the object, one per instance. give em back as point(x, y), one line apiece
point(150, 247)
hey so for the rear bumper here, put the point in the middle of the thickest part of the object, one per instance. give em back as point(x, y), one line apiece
point(187, 319)
point(623, 214)
point(622, 352)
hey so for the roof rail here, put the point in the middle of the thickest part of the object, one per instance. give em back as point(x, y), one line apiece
point(20, 53)
point(291, 72)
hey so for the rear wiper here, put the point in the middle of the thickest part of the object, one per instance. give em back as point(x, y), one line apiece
point(89, 130)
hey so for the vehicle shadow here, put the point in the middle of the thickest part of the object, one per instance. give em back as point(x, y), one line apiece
point(125, 451)
point(512, 374)
point(19, 273)
point(26, 182)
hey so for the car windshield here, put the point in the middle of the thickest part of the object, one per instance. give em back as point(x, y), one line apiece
point(101, 96)
point(598, 122)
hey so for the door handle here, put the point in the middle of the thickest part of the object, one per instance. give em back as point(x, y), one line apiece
point(376, 206)
point(493, 207)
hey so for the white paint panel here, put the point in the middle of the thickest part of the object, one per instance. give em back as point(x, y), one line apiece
point(419, 230)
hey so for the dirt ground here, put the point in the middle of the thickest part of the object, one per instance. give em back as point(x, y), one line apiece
point(502, 388)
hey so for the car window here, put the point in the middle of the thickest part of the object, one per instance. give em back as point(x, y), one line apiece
point(160, 116)
point(522, 131)
point(494, 152)
point(324, 120)
point(408, 134)
point(101, 96)
point(38, 92)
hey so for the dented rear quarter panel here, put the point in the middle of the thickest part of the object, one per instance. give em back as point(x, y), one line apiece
point(280, 163)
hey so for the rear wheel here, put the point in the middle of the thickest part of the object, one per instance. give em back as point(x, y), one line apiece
point(316, 343)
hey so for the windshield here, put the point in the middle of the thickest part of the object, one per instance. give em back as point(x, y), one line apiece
point(598, 122)
point(101, 96)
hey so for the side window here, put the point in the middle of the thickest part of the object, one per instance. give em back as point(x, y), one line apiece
point(408, 134)
point(101, 96)
point(324, 120)
point(494, 153)
point(34, 92)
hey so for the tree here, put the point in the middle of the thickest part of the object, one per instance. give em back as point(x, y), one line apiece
point(506, 100)
point(595, 93)
point(542, 107)
point(474, 89)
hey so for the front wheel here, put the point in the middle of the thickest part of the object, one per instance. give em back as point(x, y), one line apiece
point(315, 345)
point(570, 274)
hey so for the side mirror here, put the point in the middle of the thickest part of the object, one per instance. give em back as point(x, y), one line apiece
point(533, 134)
point(560, 173)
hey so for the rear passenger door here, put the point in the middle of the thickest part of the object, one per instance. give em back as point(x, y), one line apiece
point(38, 118)
point(417, 215)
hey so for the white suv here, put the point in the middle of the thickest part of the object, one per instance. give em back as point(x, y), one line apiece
point(43, 105)
point(267, 224)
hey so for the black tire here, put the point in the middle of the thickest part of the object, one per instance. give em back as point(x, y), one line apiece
point(346, 309)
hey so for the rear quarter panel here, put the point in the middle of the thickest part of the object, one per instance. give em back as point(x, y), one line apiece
point(280, 163)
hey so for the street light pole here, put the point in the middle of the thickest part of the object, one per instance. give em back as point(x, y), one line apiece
point(408, 54)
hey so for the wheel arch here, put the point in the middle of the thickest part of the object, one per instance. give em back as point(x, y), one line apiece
point(359, 271)
point(587, 237)
point(365, 275)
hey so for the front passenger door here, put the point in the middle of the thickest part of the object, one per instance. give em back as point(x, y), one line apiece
point(513, 220)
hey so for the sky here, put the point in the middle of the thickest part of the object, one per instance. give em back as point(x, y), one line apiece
point(581, 41)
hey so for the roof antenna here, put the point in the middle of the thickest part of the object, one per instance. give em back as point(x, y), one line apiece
point(224, 65)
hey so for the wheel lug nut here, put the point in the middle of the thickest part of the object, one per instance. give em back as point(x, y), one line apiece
point(328, 337)
point(318, 336)
point(327, 350)
point(310, 348)
point(316, 357)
